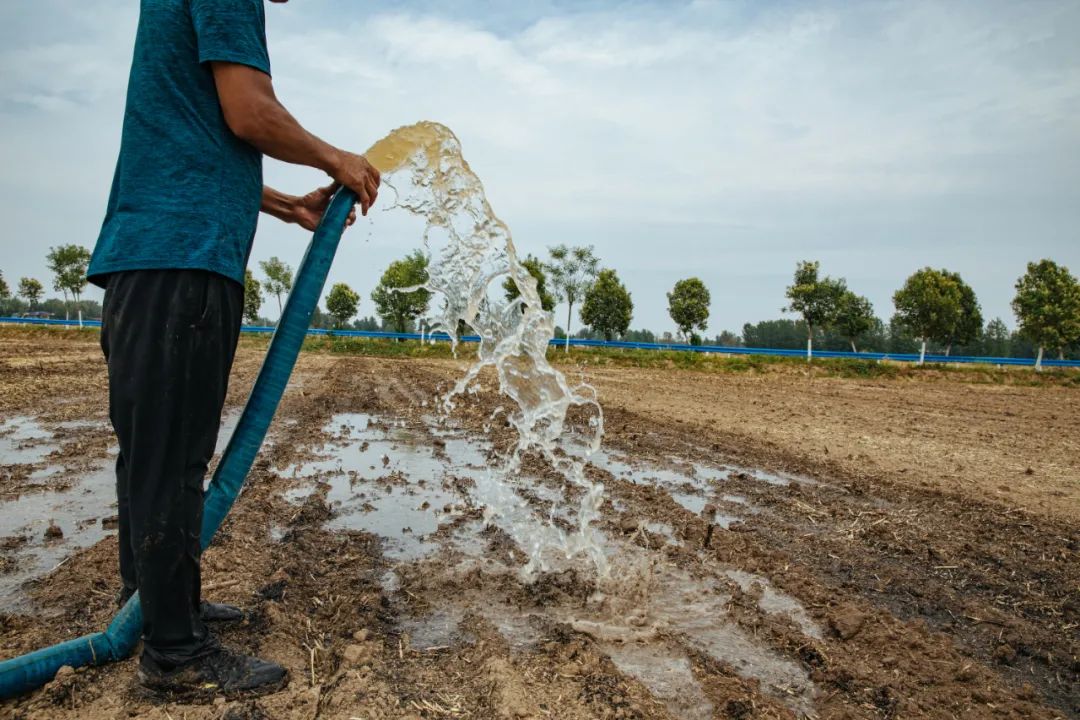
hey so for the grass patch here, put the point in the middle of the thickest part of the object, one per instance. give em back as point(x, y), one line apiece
point(646, 359)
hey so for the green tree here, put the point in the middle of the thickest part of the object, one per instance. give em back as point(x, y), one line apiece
point(688, 306)
point(68, 264)
point(536, 269)
point(572, 270)
point(341, 303)
point(607, 308)
point(5, 291)
point(969, 325)
point(930, 304)
point(30, 290)
point(1047, 306)
point(279, 277)
point(854, 317)
point(252, 297)
point(400, 309)
point(816, 299)
point(996, 339)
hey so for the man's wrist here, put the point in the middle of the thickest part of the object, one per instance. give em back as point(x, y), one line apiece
point(280, 205)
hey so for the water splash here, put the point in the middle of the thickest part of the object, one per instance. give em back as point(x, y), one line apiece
point(471, 252)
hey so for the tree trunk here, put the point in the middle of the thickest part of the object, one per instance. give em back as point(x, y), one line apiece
point(67, 310)
point(809, 344)
point(948, 349)
point(853, 348)
point(279, 305)
point(569, 317)
point(1038, 360)
point(1061, 353)
point(922, 352)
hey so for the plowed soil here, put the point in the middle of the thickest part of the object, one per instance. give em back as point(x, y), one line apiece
point(879, 549)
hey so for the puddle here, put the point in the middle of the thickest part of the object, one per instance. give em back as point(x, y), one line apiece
point(397, 481)
point(774, 601)
point(23, 441)
point(78, 510)
point(666, 673)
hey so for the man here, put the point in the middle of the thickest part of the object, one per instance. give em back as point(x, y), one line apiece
point(181, 217)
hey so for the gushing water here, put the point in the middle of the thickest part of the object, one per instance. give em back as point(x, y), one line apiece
point(471, 253)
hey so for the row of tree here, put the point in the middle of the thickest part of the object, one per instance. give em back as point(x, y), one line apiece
point(934, 308)
point(938, 306)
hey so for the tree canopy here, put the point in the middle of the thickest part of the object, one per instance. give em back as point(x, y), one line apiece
point(68, 265)
point(688, 306)
point(854, 317)
point(279, 277)
point(1047, 306)
point(397, 309)
point(930, 305)
point(536, 269)
point(816, 299)
point(969, 325)
point(607, 308)
point(341, 303)
point(252, 297)
point(5, 291)
point(572, 270)
point(30, 290)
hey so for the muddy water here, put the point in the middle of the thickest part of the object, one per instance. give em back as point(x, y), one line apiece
point(471, 254)
point(81, 505)
point(414, 484)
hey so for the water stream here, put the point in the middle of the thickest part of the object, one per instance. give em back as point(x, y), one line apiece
point(471, 253)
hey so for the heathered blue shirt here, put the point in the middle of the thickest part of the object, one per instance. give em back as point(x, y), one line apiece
point(186, 192)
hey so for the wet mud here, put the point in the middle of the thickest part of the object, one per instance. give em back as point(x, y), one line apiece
point(748, 581)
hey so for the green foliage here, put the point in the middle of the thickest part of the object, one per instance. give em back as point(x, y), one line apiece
point(341, 303)
point(252, 297)
point(30, 290)
point(572, 270)
point(5, 291)
point(816, 299)
point(688, 305)
point(854, 316)
point(996, 339)
point(398, 309)
point(68, 265)
point(930, 305)
point(279, 277)
point(536, 270)
point(608, 308)
point(1047, 305)
point(969, 325)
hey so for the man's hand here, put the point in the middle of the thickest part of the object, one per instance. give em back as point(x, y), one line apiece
point(356, 173)
point(308, 209)
point(305, 210)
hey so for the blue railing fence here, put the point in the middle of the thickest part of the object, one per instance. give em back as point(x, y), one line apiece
point(580, 342)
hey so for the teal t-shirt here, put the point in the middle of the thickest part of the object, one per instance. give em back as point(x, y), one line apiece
point(186, 191)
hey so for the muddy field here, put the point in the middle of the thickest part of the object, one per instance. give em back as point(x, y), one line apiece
point(781, 546)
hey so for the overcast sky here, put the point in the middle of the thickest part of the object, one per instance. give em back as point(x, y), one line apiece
point(722, 140)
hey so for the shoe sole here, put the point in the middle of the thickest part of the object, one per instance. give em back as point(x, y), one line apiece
point(163, 692)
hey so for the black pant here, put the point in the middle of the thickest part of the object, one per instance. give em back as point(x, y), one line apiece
point(169, 338)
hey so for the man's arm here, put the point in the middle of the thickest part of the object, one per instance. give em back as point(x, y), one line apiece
point(254, 115)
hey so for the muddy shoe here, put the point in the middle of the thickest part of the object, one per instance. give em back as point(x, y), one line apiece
point(223, 672)
point(219, 612)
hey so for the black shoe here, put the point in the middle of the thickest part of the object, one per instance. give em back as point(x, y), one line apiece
point(219, 612)
point(222, 672)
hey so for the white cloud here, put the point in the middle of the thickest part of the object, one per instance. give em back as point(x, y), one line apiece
point(715, 139)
